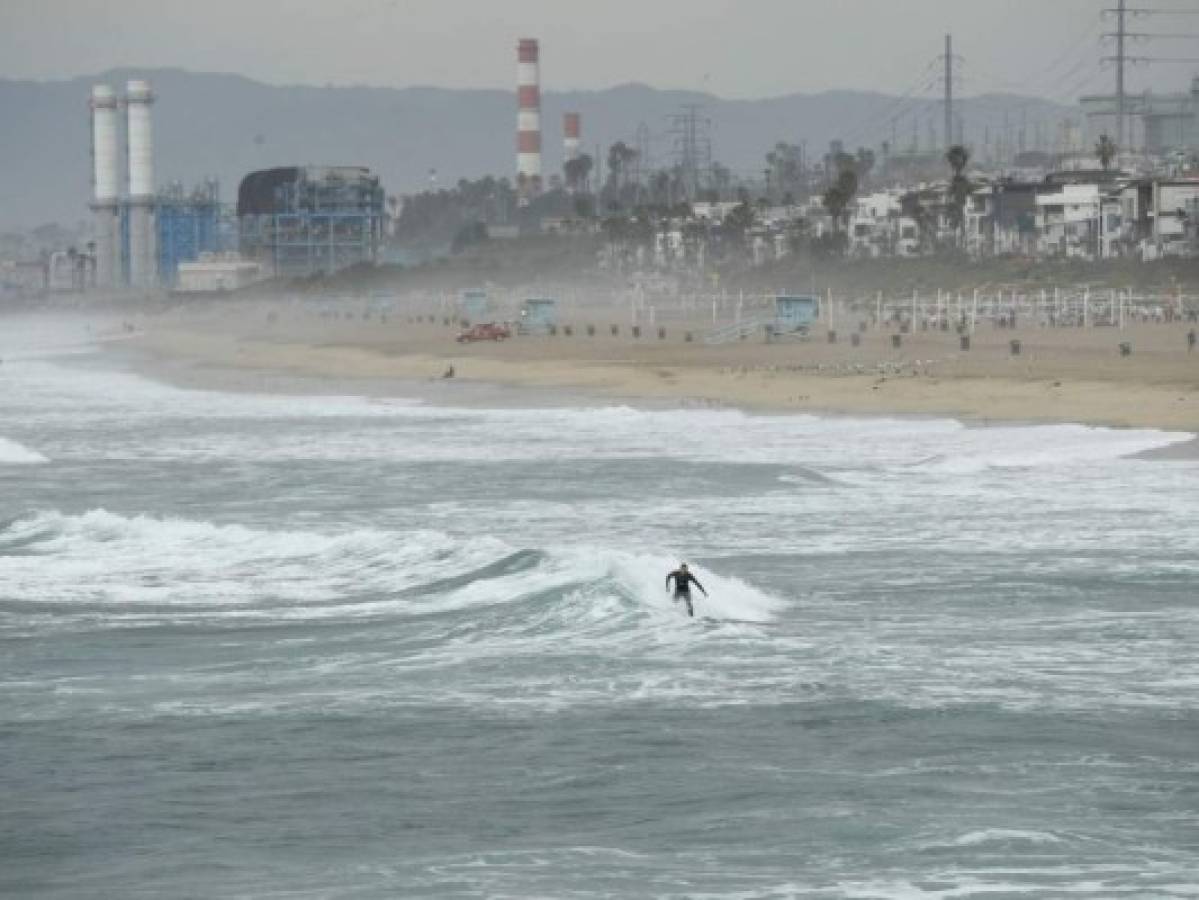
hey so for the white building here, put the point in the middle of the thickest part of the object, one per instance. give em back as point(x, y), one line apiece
point(216, 273)
point(1068, 221)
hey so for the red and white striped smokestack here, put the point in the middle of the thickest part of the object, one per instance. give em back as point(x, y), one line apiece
point(528, 115)
point(571, 133)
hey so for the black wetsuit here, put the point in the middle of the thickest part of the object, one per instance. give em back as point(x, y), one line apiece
point(682, 587)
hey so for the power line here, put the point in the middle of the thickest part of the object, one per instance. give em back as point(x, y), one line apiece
point(1160, 11)
point(1150, 60)
point(889, 110)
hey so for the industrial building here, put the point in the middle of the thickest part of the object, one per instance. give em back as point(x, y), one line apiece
point(190, 226)
point(216, 273)
point(141, 235)
point(303, 220)
point(1169, 122)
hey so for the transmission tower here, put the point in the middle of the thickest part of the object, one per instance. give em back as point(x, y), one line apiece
point(692, 146)
point(642, 163)
point(1120, 35)
point(1121, 59)
point(949, 60)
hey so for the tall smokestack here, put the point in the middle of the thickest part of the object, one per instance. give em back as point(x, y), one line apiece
point(571, 132)
point(528, 117)
point(143, 245)
point(106, 177)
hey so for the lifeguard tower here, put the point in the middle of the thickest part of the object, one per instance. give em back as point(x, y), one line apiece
point(794, 315)
point(473, 303)
point(538, 316)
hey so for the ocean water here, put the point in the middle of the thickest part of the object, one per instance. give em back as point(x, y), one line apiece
point(290, 646)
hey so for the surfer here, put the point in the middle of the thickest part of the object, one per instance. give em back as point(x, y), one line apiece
point(683, 579)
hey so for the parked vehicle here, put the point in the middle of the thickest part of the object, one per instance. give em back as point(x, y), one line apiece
point(489, 331)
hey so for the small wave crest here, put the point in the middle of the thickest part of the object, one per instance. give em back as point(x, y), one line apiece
point(1005, 836)
point(1016, 447)
point(13, 453)
point(807, 475)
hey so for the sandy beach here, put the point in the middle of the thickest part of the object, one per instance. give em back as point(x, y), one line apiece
point(1061, 374)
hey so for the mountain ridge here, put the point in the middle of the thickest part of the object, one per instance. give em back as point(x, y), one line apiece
point(224, 125)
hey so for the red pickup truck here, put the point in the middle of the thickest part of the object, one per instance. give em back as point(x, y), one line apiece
point(487, 332)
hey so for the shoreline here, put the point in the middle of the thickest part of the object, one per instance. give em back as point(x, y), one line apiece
point(1075, 380)
point(257, 365)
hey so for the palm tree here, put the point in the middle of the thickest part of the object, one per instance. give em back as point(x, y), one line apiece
point(960, 187)
point(865, 161)
point(913, 208)
point(1106, 150)
point(957, 156)
point(839, 195)
point(835, 201)
point(573, 169)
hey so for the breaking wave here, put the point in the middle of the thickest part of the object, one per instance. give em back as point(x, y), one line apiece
point(123, 563)
point(13, 453)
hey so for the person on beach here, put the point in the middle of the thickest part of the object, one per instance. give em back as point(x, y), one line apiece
point(1191, 341)
point(683, 579)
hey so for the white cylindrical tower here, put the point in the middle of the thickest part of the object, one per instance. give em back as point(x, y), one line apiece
point(106, 185)
point(528, 117)
point(571, 132)
point(138, 98)
point(106, 178)
point(143, 244)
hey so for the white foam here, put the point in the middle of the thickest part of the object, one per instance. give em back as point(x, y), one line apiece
point(205, 424)
point(13, 453)
point(1005, 835)
point(728, 598)
point(130, 560)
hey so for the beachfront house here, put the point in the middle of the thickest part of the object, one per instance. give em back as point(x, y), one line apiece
point(1068, 221)
point(1159, 217)
point(1001, 219)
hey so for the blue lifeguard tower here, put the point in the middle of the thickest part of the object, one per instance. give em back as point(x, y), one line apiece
point(473, 303)
point(538, 316)
point(794, 315)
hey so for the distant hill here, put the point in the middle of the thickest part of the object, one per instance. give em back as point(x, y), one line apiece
point(226, 125)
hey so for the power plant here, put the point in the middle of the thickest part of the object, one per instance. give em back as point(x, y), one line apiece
point(143, 271)
point(106, 186)
point(528, 118)
point(141, 235)
point(304, 220)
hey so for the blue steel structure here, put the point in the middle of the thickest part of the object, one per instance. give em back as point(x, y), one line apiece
point(302, 221)
point(189, 226)
point(186, 225)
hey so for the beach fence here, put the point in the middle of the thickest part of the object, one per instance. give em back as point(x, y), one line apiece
point(1079, 306)
point(716, 317)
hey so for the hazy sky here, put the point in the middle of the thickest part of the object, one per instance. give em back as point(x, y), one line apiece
point(752, 48)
